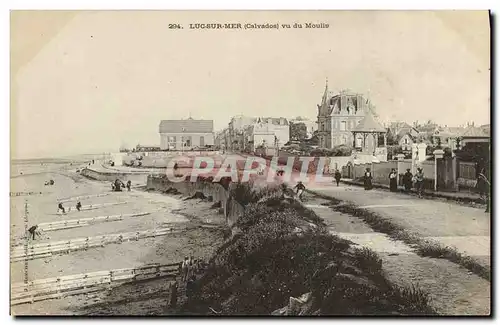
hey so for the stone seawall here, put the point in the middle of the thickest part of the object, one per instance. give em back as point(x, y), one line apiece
point(111, 176)
point(232, 209)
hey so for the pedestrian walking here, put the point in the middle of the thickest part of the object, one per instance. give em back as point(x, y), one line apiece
point(407, 180)
point(78, 205)
point(368, 179)
point(61, 208)
point(300, 189)
point(393, 181)
point(337, 176)
point(32, 231)
point(419, 182)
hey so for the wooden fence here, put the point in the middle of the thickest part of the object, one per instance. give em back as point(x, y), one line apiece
point(74, 223)
point(43, 250)
point(92, 206)
point(59, 287)
point(79, 198)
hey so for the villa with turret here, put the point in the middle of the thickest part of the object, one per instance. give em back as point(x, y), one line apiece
point(340, 117)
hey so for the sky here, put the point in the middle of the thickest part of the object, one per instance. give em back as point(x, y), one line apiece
point(91, 81)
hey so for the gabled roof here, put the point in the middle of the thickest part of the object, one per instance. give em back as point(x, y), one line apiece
point(273, 120)
point(474, 132)
point(369, 124)
point(188, 126)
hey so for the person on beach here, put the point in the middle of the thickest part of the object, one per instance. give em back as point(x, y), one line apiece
point(419, 182)
point(368, 179)
point(407, 180)
point(32, 231)
point(300, 189)
point(61, 208)
point(337, 176)
point(393, 181)
point(78, 205)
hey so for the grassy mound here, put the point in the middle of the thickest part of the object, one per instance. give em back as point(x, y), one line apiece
point(284, 250)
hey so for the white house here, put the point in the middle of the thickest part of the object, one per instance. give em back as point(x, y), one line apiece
point(186, 134)
point(268, 132)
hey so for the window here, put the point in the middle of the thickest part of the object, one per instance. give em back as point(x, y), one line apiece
point(343, 125)
point(359, 142)
point(406, 140)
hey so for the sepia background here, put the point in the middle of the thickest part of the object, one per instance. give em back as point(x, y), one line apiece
point(91, 81)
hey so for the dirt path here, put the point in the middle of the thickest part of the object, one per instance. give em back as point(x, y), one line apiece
point(454, 290)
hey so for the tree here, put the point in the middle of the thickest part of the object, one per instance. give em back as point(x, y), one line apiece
point(391, 137)
point(342, 151)
point(393, 151)
point(298, 131)
point(314, 141)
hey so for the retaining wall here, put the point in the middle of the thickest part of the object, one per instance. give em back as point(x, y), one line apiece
point(111, 176)
point(232, 209)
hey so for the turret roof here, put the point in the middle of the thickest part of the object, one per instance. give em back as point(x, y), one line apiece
point(369, 124)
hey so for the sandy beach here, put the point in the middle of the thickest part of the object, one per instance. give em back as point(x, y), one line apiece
point(187, 216)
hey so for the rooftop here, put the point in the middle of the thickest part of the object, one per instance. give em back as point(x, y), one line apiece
point(369, 124)
point(188, 125)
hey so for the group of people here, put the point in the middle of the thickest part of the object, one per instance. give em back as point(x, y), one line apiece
point(409, 181)
point(61, 208)
point(117, 185)
point(51, 182)
point(190, 267)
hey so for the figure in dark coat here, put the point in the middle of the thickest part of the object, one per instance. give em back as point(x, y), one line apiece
point(32, 231)
point(408, 180)
point(368, 179)
point(78, 205)
point(393, 181)
point(338, 176)
point(60, 207)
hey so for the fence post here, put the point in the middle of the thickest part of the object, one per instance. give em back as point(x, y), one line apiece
point(438, 154)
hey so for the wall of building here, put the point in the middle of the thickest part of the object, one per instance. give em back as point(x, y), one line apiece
point(173, 141)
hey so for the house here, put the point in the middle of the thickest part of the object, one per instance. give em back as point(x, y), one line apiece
point(338, 115)
point(188, 134)
point(406, 141)
point(235, 137)
point(446, 136)
point(267, 132)
point(473, 134)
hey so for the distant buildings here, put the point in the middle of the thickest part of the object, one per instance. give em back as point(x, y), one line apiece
point(235, 133)
point(338, 115)
point(186, 134)
point(266, 132)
